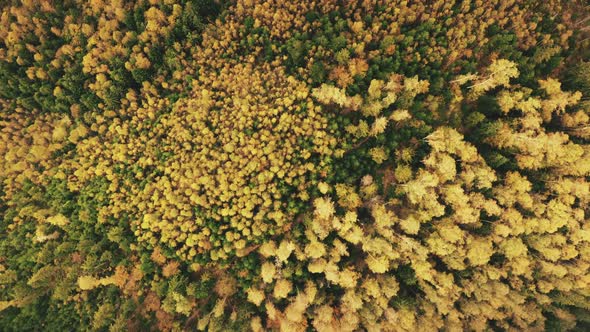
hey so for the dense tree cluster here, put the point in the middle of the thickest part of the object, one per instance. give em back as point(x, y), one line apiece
point(323, 165)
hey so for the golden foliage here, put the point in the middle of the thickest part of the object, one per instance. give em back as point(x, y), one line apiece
point(208, 174)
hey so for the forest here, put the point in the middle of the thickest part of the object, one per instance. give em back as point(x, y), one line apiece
point(294, 166)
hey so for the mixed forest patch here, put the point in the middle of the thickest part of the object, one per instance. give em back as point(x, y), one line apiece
point(324, 165)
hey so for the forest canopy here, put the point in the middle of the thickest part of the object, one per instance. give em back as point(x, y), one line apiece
point(272, 165)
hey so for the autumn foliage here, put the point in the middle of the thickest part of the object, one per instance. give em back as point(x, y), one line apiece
point(294, 165)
